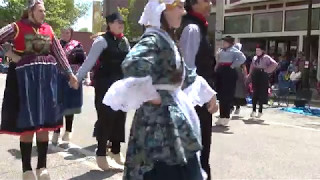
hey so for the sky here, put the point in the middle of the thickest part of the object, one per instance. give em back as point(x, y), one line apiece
point(85, 21)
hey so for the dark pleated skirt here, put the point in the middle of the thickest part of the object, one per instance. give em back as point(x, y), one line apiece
point(162, 171)
point(71, 99)
point(31, 102)
point(260, 85)
point(110, 125)
point(226, 84)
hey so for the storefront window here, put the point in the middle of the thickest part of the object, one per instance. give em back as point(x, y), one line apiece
point(237, 24)
point(267, 22)
point(296, 20)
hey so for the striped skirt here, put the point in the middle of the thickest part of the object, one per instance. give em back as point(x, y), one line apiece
point(31, 99)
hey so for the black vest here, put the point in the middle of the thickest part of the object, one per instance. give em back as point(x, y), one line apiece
point(112, 57)
point(205, 60)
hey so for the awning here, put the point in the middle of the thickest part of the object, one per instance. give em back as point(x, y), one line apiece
point(241, 2)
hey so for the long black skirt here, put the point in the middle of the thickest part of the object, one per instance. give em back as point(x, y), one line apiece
point(260, 85)
point(226, 85)
point(162, 171)
point(110, 125)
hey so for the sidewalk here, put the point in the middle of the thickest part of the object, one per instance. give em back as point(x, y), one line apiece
point(62, 164)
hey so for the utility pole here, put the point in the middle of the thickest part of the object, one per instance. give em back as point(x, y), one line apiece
point(219, 23)
point(305, 82)
point(109, 6)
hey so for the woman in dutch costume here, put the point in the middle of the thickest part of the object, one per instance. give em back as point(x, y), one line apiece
point(165, 138)
point(72, 99)
point(228, 58)
point(110, 48)
point(241, 87)
point(30, 104)
point(262, 65)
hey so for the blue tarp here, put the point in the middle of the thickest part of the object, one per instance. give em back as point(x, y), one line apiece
point(303, 110)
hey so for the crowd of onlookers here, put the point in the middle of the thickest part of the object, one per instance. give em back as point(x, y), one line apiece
point(289, 73)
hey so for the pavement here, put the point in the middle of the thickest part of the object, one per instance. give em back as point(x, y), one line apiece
point(279, 146)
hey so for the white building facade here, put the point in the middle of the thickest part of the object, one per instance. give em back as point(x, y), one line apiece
point(281, 25)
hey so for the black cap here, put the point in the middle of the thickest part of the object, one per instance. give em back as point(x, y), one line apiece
point(114, 17)
point(229, 39)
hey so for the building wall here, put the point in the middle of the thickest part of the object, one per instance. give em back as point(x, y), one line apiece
point(84, 38)
point(269, 7)
point(293, 26)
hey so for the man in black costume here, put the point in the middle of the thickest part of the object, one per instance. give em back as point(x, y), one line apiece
point(198, 53)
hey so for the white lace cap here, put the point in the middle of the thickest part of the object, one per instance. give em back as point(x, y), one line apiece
point(31, 3)
point(238, 46)
point(152, 12)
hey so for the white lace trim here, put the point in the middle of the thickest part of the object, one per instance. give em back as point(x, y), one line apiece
point(130, 93)
point(199, 92)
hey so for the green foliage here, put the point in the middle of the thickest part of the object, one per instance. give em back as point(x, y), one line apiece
point(60, 13)
point(131, 27)
point(84, 30)
point(10, 11)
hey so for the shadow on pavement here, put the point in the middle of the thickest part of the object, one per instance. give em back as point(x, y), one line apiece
point(255, 122)
point(95, 174)
point(91, 148)
point(17, 153)
point(315, 126)
point(221, 129)
point(237, 118)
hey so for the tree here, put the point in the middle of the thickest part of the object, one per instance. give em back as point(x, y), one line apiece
point(132, 28)
point(84, 30)
point(60, 13)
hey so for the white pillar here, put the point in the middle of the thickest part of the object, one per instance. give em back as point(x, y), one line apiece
point(301, 43)
point(105, 9)
point(219, 23)
point(318, 69)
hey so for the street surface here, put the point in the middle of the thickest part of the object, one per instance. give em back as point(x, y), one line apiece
point(280, 146)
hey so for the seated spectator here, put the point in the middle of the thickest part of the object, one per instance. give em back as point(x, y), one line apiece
point(283, 80)
point(295, 79)
point(291, 67)
point(300, 61)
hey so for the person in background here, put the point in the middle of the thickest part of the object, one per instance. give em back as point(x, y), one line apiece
point(228, 58)
point(30, 104)
point(295, 79)
point(261, 66)
point(71, 98)
point(241, 87)
point(300, 61)
point(110, 49)
point(291, 67)
point(197, 53)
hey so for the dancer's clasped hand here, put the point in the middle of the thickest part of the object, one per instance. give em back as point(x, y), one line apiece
point(212, 105)
point(73, 81)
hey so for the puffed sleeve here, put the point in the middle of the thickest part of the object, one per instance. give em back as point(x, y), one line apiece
point(271, 64)
point(197, 88)
point(8, 33)
point(137, 86)
point(59, 54)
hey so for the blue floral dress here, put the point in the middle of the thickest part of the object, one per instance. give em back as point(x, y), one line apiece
point(167, 134)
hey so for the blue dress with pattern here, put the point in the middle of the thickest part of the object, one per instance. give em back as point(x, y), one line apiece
point(167, 136)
